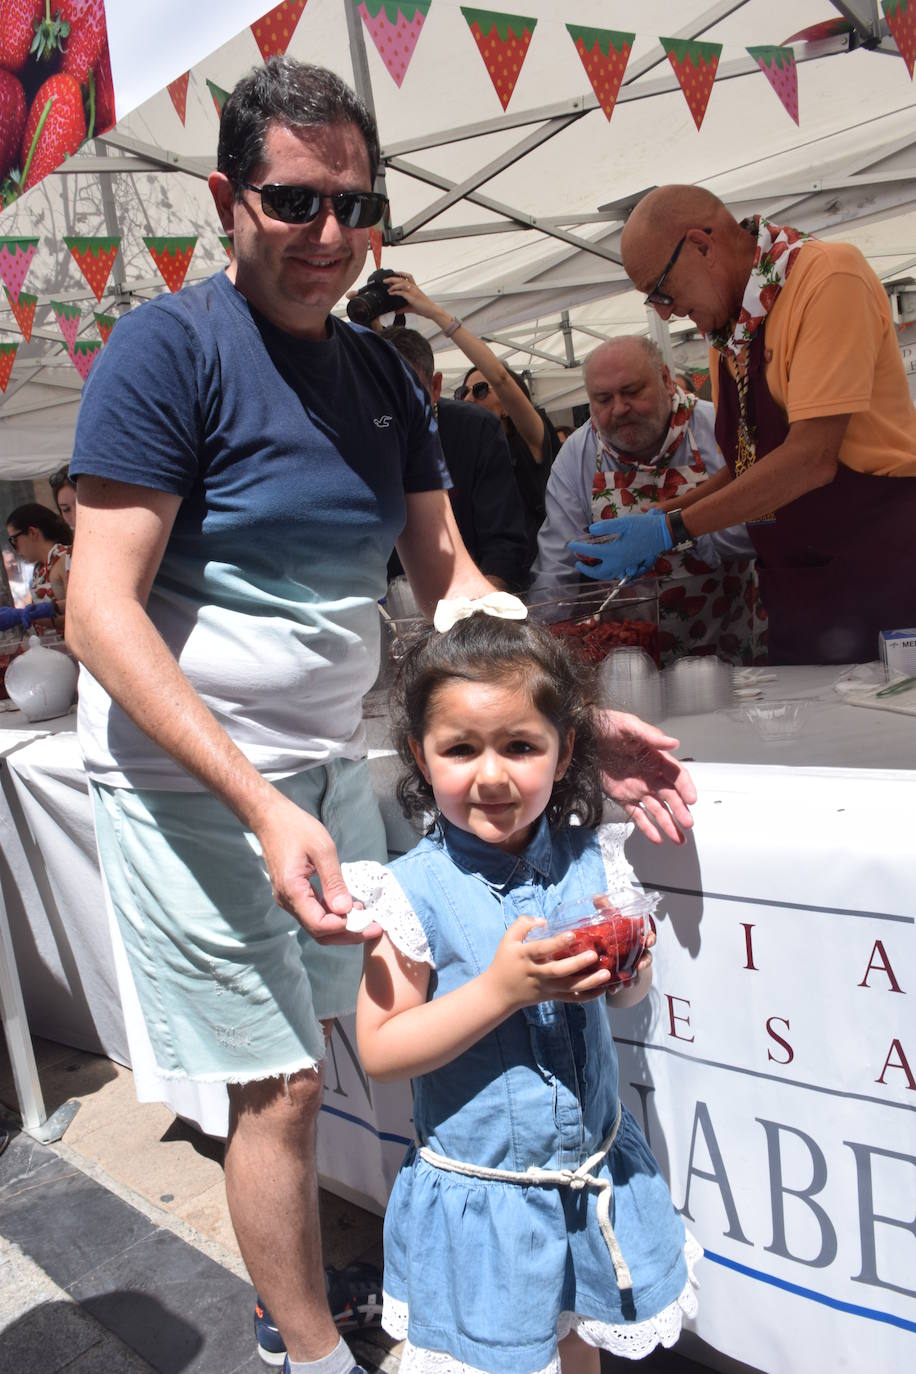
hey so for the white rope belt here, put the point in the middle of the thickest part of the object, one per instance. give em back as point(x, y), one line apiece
point(576, 1179)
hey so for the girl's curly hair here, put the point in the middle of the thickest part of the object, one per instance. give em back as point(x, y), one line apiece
point(484, 648)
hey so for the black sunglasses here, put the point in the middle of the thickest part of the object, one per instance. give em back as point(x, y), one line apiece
point(14, 540)
point(301, 204)
point(479, 390)
point(657, 296)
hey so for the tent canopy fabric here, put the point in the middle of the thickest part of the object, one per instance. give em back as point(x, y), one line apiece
point(495, 214)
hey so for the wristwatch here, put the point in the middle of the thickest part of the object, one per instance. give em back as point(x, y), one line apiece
point(680, 535)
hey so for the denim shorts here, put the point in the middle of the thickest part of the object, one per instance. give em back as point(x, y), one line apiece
point(231, 987)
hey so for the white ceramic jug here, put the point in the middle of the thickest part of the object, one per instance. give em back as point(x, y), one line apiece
point(41, 682)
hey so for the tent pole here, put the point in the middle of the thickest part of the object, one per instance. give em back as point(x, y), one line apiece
point(361, 79)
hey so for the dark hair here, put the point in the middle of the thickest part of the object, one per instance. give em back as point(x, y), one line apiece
point(414, 349)
point(517, 378)
point(49, 522)
point(484, 648)
point(61, 478)
point(294, 95)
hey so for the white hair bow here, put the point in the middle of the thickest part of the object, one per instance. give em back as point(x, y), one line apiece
point(503, 605)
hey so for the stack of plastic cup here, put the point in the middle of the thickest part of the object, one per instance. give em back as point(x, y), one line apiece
point(628, 680)
point(697, 684)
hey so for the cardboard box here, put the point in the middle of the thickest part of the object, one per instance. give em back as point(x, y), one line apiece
point(898, 652)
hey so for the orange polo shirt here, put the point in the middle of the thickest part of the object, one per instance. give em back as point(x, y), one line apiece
point(832, 350)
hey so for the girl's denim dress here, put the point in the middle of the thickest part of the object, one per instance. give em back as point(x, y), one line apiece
point(485, 1269)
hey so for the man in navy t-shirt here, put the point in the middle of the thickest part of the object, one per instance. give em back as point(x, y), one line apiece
point(246, 463)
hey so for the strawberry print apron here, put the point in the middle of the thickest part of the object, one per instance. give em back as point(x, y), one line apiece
point(701, 609)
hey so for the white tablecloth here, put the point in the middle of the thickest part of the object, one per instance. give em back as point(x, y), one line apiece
point(774, 1064)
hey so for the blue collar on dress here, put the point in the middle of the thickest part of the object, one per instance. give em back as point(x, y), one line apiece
point(495, 866)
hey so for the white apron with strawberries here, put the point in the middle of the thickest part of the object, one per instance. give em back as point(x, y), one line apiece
point(701, 609)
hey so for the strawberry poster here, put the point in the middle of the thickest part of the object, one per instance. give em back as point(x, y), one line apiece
point(274, 30)
point(7, 358)
point(55, 86)
point(23, 306)
point(95, 258)
point(778, 66)
point(605, 54)
point(503, 41)
point(901, 20)
point(394, 27)
point(694, 64)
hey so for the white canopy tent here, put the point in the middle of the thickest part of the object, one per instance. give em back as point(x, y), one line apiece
point(496, 214)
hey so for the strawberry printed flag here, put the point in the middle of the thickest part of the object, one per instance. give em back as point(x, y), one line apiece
point(23, 307)
point(219, 95)
point(226, 241)
point(15, 260)
point(83, 354)
point(94, 257)
point(694, 66)
point(274, 30)
point(778, 66)
point(7, 358)
point(68, 317)
point(375, 243)
point(503, 41)
point(173, 257)
point(605, 54)
point(394, 26)
point(178, 94)
point(901, 20)
point(104, 324)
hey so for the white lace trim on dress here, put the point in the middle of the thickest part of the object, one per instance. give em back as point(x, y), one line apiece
point(381, 893)
point(631, 1340)
point(617, 867)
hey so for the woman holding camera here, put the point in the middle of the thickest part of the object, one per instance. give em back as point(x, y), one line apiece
point(532, 439)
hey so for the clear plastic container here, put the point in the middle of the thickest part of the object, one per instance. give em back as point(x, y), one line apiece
point(614, 924)
point(775, 721)
point(592, 628)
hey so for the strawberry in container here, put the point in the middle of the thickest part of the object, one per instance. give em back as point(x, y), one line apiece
point(618, 926)
point(596, 619)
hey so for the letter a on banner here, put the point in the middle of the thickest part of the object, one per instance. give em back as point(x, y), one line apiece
point(605, 54)
point(694, 65)
point(273, 31)
point(394, 27)
point(503, 41)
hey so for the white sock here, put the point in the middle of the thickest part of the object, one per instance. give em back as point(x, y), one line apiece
point(340, 1361)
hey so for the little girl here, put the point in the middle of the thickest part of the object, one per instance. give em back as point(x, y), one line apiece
point(530, 1224)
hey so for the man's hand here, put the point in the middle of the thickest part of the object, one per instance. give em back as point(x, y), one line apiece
point(637, 541)
point(296, 847)
point(640, 774)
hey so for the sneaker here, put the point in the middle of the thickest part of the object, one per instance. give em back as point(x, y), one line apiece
point(354, 1295)
point(357, 1368)
point(271, 1345)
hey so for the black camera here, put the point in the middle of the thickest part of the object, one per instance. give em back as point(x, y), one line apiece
point(374, 298)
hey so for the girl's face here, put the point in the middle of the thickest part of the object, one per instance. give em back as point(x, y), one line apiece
point(491, 759)
point(489, 402)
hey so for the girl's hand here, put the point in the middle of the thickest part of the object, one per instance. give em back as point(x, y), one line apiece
point(526, 972)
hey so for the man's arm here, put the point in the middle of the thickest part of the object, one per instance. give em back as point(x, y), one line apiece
point(433, 554)
point(806, 459)
point(127, 527)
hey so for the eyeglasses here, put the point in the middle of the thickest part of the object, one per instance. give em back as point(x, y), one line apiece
point(480, 390)
point(14, 540)
point(657, 296)
point(301, 204)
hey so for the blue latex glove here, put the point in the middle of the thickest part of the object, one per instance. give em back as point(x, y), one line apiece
point(638, 541)
point(21, 617)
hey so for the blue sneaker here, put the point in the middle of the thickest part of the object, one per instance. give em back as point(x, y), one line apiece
point(355, 1300)
point(271, 1345)
point(357, 1368)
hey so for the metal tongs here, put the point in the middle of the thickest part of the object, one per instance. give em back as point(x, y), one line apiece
point(615, 591)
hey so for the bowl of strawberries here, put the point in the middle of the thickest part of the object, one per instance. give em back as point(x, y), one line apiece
point(615, 925)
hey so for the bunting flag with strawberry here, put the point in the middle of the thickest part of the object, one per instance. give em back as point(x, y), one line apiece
point(694, 64)
point(503, 41)
point(7, 358)
point(173, 257)
point(95, 258)
point(375, 243)
point(104, 324)
point(178, 94)
point(219, 95)
point(901, 20)
point(83, 354)
point(778, 66)
point(226, 241)
point(16, 256)
point(273, 31)
point(394, 27)
point(605, 54)
point(68, 317)
point(23, 307)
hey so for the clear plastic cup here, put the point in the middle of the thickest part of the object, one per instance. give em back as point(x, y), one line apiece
point(614, 924)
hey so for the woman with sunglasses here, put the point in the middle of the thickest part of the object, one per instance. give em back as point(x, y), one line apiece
point(40, 536)
point(532, 439)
